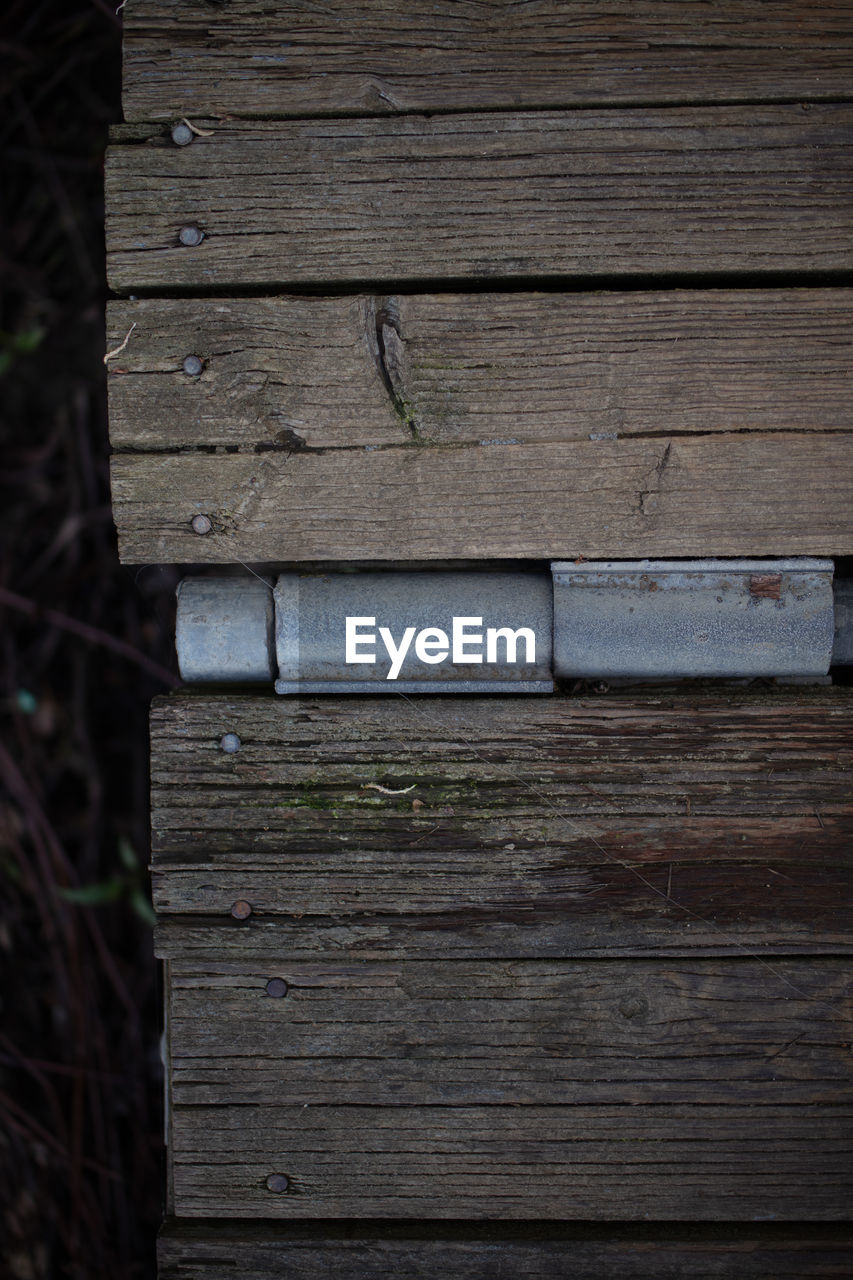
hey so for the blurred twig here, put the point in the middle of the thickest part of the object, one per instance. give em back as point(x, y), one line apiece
point(80, 1077)
point(94, 635)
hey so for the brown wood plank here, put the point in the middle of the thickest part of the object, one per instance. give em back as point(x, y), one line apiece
point(533, 368)
point(219, 1251)
point(718, 495)
point(379, 56)
point(414, 198)
point(428, 1060)
point(488, 1032)
point(537, 827)
point(590, 1162)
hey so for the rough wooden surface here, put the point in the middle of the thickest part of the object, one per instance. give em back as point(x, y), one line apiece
point(507, 1034)
point(594, 1162)
point(540, 827)
point(439, 1048)
point(488, 197)
point(774, 493)
point(488, 1009)
point(356, 371)
point(403, 55)
point(267, 1251)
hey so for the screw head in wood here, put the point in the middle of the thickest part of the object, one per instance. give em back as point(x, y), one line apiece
point(193, 366)
point(201, 524)
point(277, 987)
point(182, 135)
point(191, 236)
point(278, 1182)
point(241, 910)
point(230, 743)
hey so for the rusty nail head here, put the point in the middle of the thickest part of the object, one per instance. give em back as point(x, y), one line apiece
point(230, 743)
point(278, 1182)
point(241, 910)
point(193, 366)
point(201, 524)
point(191, 236)
point(277, 987)
point(182, 135)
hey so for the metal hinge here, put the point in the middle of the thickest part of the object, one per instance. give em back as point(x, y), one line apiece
point(451, 632)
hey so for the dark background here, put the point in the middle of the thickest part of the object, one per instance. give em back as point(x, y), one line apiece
point(85, 646)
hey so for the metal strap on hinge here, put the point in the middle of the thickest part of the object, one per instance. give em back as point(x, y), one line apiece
point(453, 632)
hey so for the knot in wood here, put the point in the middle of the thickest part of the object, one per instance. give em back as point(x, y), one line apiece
point(633, 1005)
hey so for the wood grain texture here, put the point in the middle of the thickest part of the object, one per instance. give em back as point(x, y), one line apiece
point(324, 373)
point(404, 55)
point(488, 197)
point(590, 1162)
point(273, 1251)
point(776, 494)
point(546, 827)
point(531, 1032)
point(440, 1047)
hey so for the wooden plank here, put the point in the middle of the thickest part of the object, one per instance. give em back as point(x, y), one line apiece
point(258, 59)
point(591, 1162)
point(717, 495)
point(218, 1251)
point(537, 827)
point(428, 1060)
point(498, 196)
point(324, 373)
point(492, 1033)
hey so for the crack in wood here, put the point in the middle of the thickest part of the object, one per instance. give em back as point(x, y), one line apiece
point(647, 503)
point(388, 348)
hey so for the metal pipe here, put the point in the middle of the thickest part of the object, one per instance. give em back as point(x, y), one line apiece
point(455, 632)
point(224, 630)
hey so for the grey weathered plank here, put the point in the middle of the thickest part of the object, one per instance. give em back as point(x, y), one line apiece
point(415, 198)
point(427, 1060)
point(267, 1251)
point(716, 495)
point(357, 371)
point(692, 1162)
point(559, 826)
point(488, 1032)
point(379, 56)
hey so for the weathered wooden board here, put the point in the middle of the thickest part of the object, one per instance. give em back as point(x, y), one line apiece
point(536, 827)
point(733, 494)
point(266, 1251)
point(547, 367)
point(496, 196)
point(488, 1032)
point(403, 55)
point(459, 1057)
point(676, 1162)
